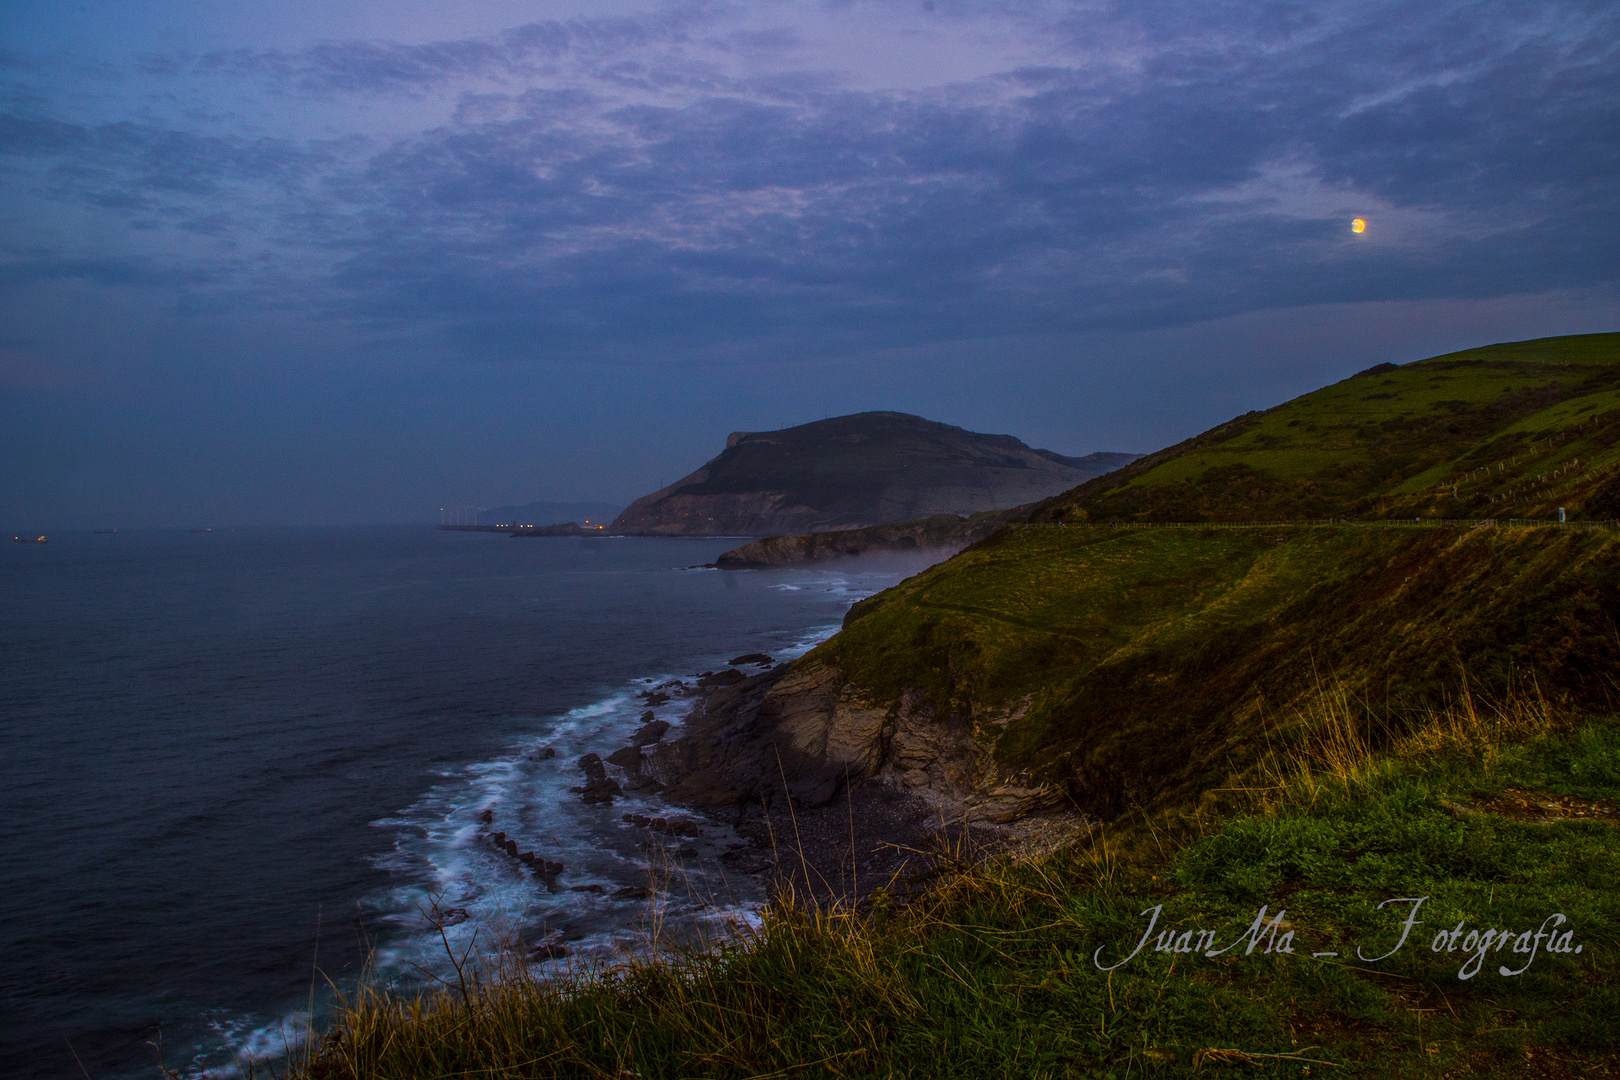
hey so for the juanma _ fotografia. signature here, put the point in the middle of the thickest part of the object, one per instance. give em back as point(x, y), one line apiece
point(1276, 934)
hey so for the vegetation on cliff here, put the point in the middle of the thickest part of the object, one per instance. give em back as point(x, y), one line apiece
point(1143, 664)
point(1508, 431)
point(1125, 664)
point(1500, 820)
point(1516, 430)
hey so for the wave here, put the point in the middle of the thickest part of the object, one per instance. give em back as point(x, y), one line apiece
point(624, 888)
point(453, 893)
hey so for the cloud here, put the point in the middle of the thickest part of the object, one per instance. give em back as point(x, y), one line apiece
point(704, 175)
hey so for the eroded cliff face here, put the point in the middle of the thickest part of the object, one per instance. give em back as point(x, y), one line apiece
point(808, 731)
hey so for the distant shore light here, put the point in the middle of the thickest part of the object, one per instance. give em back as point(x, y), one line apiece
point(1358, 225)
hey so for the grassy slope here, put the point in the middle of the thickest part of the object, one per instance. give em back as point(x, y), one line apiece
point(1513, 430)
point(1155, 660)
point(995, 974)
point(1158, 661)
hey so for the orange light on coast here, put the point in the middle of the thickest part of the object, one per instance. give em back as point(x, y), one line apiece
point(1359, 225)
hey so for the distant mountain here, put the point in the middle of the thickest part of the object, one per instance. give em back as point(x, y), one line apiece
point(549, 513)
point(851, 472)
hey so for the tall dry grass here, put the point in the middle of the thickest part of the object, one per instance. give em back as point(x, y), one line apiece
point(827, 989)
point(1339, 743)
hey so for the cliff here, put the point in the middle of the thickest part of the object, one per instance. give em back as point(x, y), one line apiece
point(852, 472)
point(1077, 661)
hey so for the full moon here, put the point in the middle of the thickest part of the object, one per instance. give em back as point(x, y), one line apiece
point(1358, 225)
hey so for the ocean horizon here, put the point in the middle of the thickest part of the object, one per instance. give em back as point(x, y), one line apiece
point(243, 763)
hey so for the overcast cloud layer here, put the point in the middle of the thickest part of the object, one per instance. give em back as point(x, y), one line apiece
point(305, 266)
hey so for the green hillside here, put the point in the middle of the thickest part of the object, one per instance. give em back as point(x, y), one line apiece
point(1513, 430)
point(1145, 665)
point(1157, 663)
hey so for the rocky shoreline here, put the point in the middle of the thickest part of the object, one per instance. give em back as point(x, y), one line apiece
point(833, 798)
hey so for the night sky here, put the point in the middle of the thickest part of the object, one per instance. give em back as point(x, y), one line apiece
point(308, 263)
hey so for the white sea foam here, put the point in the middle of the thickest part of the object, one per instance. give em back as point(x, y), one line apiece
point(457, 899)
point(248, 1043)
point(463, 898)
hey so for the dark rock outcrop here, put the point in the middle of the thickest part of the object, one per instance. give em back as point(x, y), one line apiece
point(728, 677)
point(802, 731)
point(598, 787)
point(649, 732)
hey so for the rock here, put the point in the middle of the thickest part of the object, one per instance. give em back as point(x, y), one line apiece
point(601, 791)
point(648, 717)
point(728, 677)
point(544, 754)
point(627, 758)
point(486, 817)
point(511, 848)
point(655, 698)
point(747, 861)
point(452, 916)
point(633, 892)
point(825, 720)
point(587, 888)
point(599, 788)
point(1010, 802)
point(551, 950)
point(649, 733)
point(553, 868)
point(751, 658)
point(527, 857)
point(500, 839)
point(820, 789)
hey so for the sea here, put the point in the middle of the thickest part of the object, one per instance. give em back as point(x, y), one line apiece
point(244, 773)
